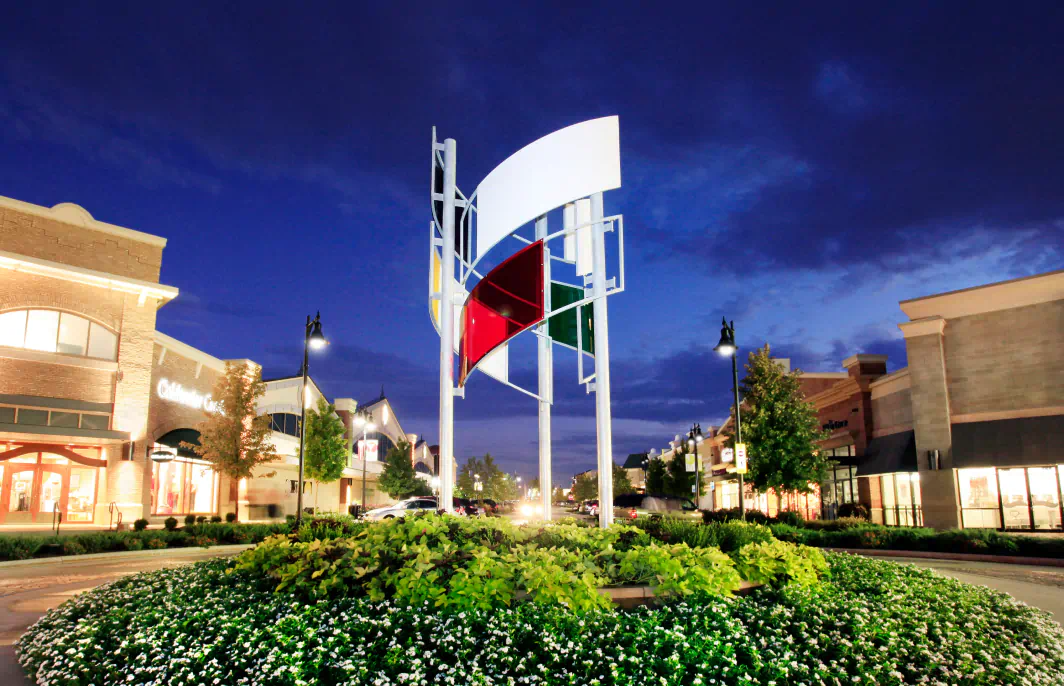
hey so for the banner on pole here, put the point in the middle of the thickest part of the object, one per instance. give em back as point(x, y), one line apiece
point(367, 450)
point(727, 455)
point(740, 458)
point(690, 462)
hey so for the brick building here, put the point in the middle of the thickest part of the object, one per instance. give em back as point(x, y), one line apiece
point(89, 389)
point(969, 434)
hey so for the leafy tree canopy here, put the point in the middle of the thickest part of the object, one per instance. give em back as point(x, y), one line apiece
point(325, 449)
point(237, 439)
point(779, 427)
point(399, 480)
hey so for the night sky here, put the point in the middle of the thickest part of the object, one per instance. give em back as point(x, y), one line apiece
point(798, 167)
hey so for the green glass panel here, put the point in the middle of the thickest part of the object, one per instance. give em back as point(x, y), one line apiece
point(562, 327)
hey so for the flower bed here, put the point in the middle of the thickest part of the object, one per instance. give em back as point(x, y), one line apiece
point(875, 622)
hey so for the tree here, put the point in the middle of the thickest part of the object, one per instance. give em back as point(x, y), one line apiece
point(493, 479)
point(780, 429)
point(678, 481)
point(585, 487)
point(398, 479)
point(236, 439)
point(621, 483)
point(533, 486)
point(325, 448)
point(656, 473)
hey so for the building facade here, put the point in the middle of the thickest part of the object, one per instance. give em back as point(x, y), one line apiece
point(89, 389)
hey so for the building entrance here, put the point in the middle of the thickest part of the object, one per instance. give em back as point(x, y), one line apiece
point(36, 484)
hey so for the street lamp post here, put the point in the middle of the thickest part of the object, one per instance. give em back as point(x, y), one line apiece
point(727, 346)
point(313, 339)
point(694, 439)
point(364, 420)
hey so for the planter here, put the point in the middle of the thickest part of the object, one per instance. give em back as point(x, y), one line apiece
point(628, 597)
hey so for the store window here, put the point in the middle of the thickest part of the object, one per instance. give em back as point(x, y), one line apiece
point(184, 486)
point(900, 500)
point(57, 332)
point(840, 487)
point(1022, 498)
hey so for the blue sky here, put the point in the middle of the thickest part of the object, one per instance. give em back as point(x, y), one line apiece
point(798, 167)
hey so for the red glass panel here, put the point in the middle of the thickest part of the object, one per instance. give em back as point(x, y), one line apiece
point(508, 300)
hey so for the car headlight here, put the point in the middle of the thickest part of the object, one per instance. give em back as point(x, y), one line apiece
point(527, 510)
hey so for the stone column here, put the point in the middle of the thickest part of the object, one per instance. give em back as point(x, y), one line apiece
point(129, 481)
point(931, 419)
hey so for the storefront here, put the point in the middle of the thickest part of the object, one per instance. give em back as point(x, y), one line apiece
point(39, 483)
point(1011, 497)
point(182, 484)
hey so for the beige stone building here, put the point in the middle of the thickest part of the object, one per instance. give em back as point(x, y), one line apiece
point(89, 389)
point(970, 434)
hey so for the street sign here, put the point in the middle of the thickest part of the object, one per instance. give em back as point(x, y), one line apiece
point(367, 450)
point(690, 462)
point(727, 455)
point(740, 458)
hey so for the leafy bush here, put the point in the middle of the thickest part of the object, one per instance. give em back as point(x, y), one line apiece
point(156, 543)
point(874, 623)
point(230, 517)
point(836, 524)
point(170, 524)
point(216, 519)
point(71, 546)
point(480, 563)
point(732, 536)
point(140, 525)
point(854, 511)
point(17, 547)
point(776, 562)
point(190, 520)
point(326, 526)
point(201, 519)
point(789, 517)
point(752, 516)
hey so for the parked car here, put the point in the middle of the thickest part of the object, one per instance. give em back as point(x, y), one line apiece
point(467, 506)
point(633, 505)
point(490, 506)
point(592, 508)
point(402, 509)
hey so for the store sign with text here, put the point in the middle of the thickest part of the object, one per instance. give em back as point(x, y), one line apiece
point(176, 393)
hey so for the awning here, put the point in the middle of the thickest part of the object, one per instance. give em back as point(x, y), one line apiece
point(173, 439)
point(889, 454)
point(1025, 441)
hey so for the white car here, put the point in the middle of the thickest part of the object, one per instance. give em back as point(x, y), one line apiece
point(402, 509)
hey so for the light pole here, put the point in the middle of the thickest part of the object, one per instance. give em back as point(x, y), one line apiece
point(313, 339)
point(727, 346)
point(694, 439)
point(479, 488)
point(364, 420)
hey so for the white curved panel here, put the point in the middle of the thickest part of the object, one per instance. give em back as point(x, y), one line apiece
point(563, 166)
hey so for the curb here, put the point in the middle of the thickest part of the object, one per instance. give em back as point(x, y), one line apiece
point(121, 555)
point(962, 557)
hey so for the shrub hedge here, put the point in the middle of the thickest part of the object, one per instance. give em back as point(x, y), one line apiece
point(23, 547)
point(874, 536)
point(875, 623)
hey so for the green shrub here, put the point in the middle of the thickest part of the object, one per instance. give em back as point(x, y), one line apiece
point(752, 516)
point(836, 524)
point(779, 563)
point(190, 520)
point(170, 524)
point(155, 543)
point(789, 517)
point(140, 524)
point(216, 519)
point(202, 519)
point(675, 570)
point(230, 517)
point(17, 547)
point(733, 535)
point(133, 543)
point(854, 510)
point(71, 546)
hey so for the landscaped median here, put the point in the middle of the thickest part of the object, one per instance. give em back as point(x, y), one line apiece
point(432, 599)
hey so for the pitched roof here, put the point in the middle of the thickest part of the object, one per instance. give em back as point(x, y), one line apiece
point(635, 461)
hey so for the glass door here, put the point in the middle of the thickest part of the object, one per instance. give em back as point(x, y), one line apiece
point(1015, 506)
point(1045, 497)
point(18, 494)
point(52, 496)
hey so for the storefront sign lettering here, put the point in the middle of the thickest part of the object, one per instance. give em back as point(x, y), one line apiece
point(832, 425)
point(175, 392)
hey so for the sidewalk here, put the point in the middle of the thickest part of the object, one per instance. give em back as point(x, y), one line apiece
point(29, 588)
